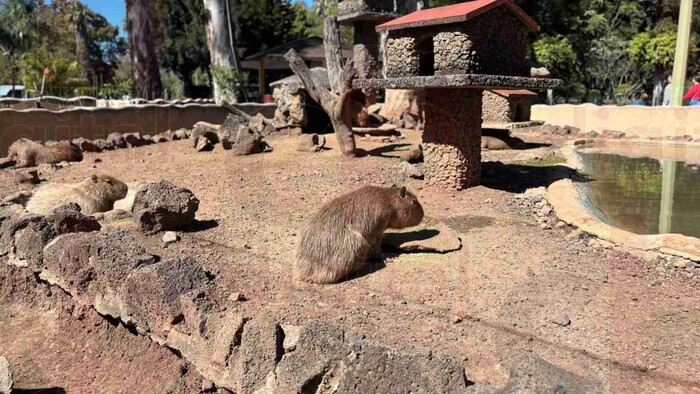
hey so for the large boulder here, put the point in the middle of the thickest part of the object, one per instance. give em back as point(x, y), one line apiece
point(249, 142)
point(311, 143)
point(5, 376)
point(228, 131)
point(86, 145)
point(533, 375)
point(163, 206)
point(134, 140)
point(153, 292)
point(206, 131)
point(95, 266)
point(116, 140)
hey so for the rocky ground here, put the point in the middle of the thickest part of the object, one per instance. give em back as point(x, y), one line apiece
point(522, 283)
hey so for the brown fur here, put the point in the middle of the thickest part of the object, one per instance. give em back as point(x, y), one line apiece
point(95, 194)
point(341, 236)
point(493, 143)
point(28, 153)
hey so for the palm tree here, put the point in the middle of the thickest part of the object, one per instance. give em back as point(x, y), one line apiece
point(17, 31)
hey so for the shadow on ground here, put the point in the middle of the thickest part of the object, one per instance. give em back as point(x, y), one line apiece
point(516, 178)
point(383, 150)
point(52, 390)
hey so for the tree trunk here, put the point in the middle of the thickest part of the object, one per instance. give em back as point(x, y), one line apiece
point(224, 65)
point(336, 105)
point(144, 58)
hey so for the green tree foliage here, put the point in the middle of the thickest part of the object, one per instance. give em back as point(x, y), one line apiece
point(63, 77)
point(183, 48)
point(262, 24)
point(58, 34)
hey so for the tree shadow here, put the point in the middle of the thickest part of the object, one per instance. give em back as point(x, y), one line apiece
point(517, 178)
point(52, 390)
point(382, 150)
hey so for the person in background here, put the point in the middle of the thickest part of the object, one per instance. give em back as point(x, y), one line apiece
point(694, 92)
point(667, 91)
point(642, 100)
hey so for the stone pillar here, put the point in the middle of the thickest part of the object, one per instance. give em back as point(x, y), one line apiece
point(452, 138)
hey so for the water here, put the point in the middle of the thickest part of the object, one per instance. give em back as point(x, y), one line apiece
point(627, 185)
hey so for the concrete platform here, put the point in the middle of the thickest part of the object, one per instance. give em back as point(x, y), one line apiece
point(470, 81)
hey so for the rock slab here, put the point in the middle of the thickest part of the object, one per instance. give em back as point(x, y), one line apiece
point(430, 236)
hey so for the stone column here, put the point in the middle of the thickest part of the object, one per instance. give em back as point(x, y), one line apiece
point(452, 138)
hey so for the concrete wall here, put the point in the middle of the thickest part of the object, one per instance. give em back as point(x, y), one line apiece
point(93, 123)
point(632, 120)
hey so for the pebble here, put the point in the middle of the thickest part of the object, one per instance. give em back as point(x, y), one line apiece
point(236, 297)
point(560, 319)
point(545, 226)
point(170, 237)
point(560, 225)
point(680, 263)
point(456, 319)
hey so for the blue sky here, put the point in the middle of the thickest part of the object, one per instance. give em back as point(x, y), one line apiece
point(115, 10)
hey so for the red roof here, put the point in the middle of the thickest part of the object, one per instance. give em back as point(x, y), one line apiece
point(508, 93)
point(455, 13)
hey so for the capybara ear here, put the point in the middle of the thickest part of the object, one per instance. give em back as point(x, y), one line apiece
point(94, 178)
point(402, 192)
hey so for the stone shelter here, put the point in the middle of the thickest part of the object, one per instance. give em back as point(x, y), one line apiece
point(507, 106)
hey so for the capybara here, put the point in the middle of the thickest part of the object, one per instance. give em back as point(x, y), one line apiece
point(95, 194)
point(341, 236)
point(493, 143)
point(28, 153)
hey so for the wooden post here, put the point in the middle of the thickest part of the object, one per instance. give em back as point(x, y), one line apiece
point(261, 78)
point(680, 63)
point(336, 101)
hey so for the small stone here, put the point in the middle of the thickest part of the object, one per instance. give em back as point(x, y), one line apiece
point(115, 215)
point(456, 319)
point(236, 297)
point(546, 210)
point(5, 376)
point(26, 176)
point(204, 145)
point(97, 160)
point(410, 170)
point(560, 225)
point(560, 319)
point(487, 201)
point(170, 237)
point(680, 263)
point(545, 226)
point(208, 386)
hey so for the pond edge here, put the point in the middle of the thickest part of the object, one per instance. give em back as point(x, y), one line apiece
point(567, 202)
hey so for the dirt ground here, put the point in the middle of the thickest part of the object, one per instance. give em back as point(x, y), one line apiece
point(485, 305)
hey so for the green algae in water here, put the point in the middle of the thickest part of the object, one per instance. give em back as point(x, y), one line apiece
point(625, 192)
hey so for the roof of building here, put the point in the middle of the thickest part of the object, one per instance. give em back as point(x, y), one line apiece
point(519, 92)
point(461, 12)
point(309, 48)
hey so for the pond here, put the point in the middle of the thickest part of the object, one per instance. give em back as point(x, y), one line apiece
point(644, 189)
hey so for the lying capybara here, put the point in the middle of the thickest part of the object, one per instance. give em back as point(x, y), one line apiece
point(28, 153)
point(494, 143)
point(95, 194)
point(341, 236)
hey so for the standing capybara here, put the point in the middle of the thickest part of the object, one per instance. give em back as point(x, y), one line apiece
point(28, 153)
point(95, 194)
point(341, 236)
